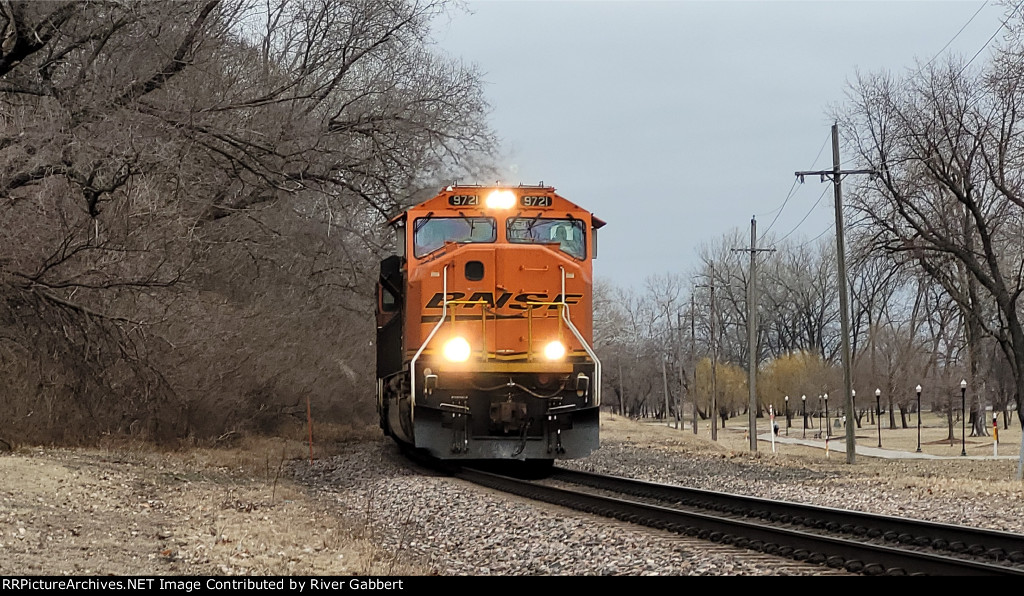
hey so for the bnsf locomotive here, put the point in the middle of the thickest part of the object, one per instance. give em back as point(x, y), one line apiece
point(484, 327)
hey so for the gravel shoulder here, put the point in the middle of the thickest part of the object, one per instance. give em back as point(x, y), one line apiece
point(102, 512)
point(361, 510)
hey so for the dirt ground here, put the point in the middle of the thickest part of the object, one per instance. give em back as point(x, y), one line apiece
point(136, 511)
point(132, 510)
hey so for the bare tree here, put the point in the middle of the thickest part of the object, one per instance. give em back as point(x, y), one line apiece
point(947, 142)
point(799, 302)
point(193, 194)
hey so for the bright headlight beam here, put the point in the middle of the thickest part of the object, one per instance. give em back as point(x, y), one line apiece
point(501, 199)
point(456, 349)
point(554, 351)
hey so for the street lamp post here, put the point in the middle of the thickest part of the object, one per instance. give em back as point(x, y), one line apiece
point(828, 425)
point(918, 418)
point(817, 414)
point(803, 412)
point(787, 415)
point(878, 415)
point(963, 418)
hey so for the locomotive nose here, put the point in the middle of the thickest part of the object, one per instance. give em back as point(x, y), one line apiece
point(491, 317)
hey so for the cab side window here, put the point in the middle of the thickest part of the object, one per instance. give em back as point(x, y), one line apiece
point(388, 302)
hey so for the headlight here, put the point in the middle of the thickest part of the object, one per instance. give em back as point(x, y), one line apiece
point(554, 351)
point(501, 199)
point(456, 349)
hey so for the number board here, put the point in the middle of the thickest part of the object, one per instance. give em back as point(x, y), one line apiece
point(464, 200)
point(535, 201)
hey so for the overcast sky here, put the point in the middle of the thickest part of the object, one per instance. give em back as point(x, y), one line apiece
point(677, 121)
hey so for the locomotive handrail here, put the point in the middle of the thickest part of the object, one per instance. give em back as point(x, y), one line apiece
point(529, 323)
point(583, 342)
point(412, 363)
point(483, 319)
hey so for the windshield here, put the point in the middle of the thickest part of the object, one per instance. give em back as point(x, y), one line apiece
point(569, 234)
point(432, 232)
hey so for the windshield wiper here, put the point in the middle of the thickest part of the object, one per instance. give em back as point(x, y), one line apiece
point(422, 221)
point(472, 224)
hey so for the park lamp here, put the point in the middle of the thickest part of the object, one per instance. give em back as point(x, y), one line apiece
point(963, 418)
point(828, 421)
point(918, 389)
point(878, 414)
point(803, 412)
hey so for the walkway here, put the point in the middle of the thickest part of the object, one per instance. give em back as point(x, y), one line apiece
point(838, 444)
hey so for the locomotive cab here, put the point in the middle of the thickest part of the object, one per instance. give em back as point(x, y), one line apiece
point(484, 347)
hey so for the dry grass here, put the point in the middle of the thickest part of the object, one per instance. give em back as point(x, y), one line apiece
point(249, 453)
point(970, 475)
point(242, 477)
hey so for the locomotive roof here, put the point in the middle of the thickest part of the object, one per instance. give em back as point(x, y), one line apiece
point(468, 197)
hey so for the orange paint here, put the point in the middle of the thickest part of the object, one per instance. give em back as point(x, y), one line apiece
point(505, 272)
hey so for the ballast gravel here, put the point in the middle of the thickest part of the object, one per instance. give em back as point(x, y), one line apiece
point(454, 528)
point(360, 508)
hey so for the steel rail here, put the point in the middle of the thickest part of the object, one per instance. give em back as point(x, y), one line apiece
point(980, 542)
point(854, 556)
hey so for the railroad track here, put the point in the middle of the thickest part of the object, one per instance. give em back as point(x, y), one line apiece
point(840, 539)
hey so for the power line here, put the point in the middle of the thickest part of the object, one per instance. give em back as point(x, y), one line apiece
point(789, 195)
point(830, 226)
point(976, 13)
point(778, 212)
point(780, 207)
point(836, 178)
point(808, 214)
point(998, 29)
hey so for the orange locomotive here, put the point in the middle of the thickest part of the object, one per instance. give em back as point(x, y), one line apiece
point(484, 327)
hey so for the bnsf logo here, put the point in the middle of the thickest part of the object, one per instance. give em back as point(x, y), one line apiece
point(505, 299)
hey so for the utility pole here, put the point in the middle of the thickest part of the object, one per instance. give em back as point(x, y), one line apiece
point(693, 358)
point(752, 299)
point(714, 357)
point(664, 380)
point(679, 363)
point(836, 176)
point(622, 390)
